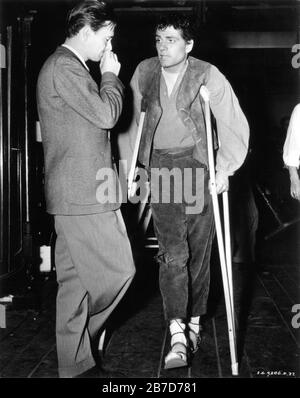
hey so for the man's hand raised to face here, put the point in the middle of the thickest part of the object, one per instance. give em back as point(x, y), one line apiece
point(110, 63)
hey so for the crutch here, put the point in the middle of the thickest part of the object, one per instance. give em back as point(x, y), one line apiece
point(131, 175)
point(224, 251)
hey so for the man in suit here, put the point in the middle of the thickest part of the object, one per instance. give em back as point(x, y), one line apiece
point(93, 256)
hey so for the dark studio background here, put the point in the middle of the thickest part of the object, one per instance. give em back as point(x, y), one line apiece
point(258, 65)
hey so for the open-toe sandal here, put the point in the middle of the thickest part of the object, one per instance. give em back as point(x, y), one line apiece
point(195, 339)
point(177, 356)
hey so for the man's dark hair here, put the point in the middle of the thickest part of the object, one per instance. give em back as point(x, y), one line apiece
point(94, 13)
point(179, 22)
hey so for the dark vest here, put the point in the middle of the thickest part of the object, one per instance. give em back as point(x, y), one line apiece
point(189, 104)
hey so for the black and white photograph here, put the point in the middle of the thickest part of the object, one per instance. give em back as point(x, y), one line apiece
point(149, 192)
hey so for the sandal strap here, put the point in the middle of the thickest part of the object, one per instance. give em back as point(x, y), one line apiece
point(195, 341)
point(173, 355)
point(176, 326)
point(182, 340)
point(191, 329)
point(197, 335)
point(196, 324)
point(178, 333)
point(173, 334)
point(181, 351)
point(178, 342)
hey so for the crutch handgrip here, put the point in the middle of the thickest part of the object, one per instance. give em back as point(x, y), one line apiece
point(204, 93)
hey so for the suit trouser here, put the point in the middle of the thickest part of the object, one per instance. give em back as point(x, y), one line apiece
point(184, 239)
point(94, 267)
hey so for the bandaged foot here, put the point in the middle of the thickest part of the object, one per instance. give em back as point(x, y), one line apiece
point(177, 356)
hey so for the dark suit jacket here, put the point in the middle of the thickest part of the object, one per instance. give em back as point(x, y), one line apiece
point(75, 117)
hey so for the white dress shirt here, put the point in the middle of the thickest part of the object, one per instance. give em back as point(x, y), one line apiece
point(77, 54)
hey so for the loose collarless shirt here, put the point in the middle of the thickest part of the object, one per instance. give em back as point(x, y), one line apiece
point(232, 125)
point(171, 132)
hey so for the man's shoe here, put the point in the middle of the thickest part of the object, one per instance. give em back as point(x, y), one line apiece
point(98, 346)
point(101, 346)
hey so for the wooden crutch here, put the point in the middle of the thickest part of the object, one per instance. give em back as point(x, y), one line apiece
point(132, 171)
point(131, 175)
point(224, 251)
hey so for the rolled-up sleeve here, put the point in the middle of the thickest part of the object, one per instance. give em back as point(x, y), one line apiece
point(232, 125)
point(291, 148)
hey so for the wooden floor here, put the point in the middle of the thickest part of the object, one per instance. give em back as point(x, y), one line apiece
point(268, 344)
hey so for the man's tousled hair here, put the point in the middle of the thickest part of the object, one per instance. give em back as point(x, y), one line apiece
point(180, 22)
point(94, 13)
